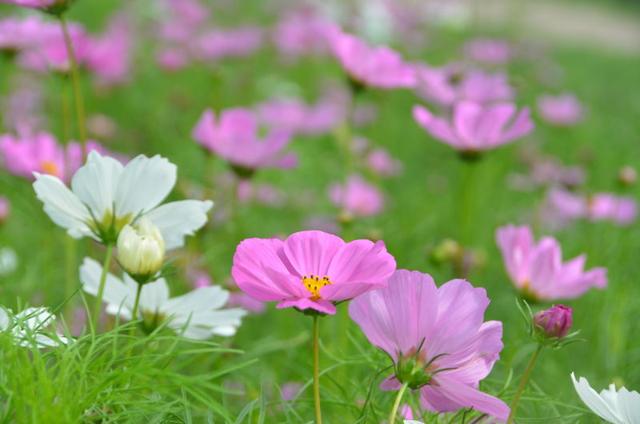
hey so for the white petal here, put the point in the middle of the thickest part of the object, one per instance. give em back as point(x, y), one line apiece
point(95, 183)
point(593, 400)
point(154, 296)
point(202, 299)
point(63, 207)
point(179, 219)
point(5, 321)
point(629, 405)
point(144, 183)
point(205, 324)
point(117, 295)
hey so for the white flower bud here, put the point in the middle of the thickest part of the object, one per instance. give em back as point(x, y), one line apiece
point(141, 249)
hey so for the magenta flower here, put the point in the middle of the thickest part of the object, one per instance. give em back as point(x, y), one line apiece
point(108, 55)
point(236, 42)
point(17, 34)
point(381, 162)
point(234, 137)
point(488, 50)
point(379, 67)
point(53, 6)
point(437, 339)
point(474, 128)
point(562, 110)
point(310, 269)
point(357, 198)
point(302, 32)
point(48, 51)
point(554, 322)
point(537, 270)
point(566, 206)
point(41, 153)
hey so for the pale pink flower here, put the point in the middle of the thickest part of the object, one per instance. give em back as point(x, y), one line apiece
point(242, 300)
point(234, 42)
point(379, 67)
point(537, 270)
point(199, 278)
point(234, 137)
point(172, 59)
point(22, 107)
point(302, 32)
point(437, 339)
point(48, 51)
point(46, 5)
point(567, 206)
point(297, 117)
point(41, 153)
point(488, 50)
point(474, 127)
point(17, 34)
point(290, 390)
point(357, 197)
point(310, 269)
point(266, 194)
point(562, 110)
point(381, 162)
point(108, 55)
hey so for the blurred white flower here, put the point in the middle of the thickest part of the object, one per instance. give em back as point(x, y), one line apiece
point(614, 406)
point(141, 249)
point(196, 315)
point(29, 327)
point(8, 261)
point(105, 196)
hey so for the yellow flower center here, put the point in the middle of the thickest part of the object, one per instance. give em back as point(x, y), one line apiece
point(50, 167)
point(313, 283)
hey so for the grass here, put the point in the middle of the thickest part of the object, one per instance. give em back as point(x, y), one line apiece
point(112, 377)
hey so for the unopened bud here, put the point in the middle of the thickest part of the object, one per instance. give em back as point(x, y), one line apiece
point(554, 322)
point(141, 250)
point(627, 175)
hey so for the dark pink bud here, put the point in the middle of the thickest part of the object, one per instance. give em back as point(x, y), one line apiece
point(555, 321)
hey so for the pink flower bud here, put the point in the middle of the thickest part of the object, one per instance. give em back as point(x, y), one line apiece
point(555, 321)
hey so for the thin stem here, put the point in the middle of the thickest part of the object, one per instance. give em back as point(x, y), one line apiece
point(316, 368)
point(396, 403)
point(467, 188)
point(103, 280)
point(70, 253)
point(134, 312)
point(75, 78)
point(523, 383)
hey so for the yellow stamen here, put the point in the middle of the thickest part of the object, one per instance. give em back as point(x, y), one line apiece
point(314, 283)
point(50, 167)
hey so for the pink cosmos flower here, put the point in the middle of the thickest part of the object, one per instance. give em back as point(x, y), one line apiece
point(379, 67)
point(48, 51)
point(488, 50)
point(24, 155)
point(566, 206)
point(234, 137)
point(108, 55)
point(296, 117)
point(474, 127)
point(302, 32)
point(562, 110)
point(38, 4)
point(537, 270)
point(235, 42)
point(17, 34)
point(357, 197)
point(310, 269)
point(437, 339)
point(172, 59)
point(554, 322)
point(381, 162)
point(450, 84)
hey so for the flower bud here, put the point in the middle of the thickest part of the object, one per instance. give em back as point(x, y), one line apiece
point(627, 176)
point(554, 322)
point(141, 250)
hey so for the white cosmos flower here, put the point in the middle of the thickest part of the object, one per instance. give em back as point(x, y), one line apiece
point(614, 406)
point(196, 315)
point(29, 327)
point(105, 196)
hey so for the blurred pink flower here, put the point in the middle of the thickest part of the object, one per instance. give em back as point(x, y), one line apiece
point(242, 300)
point(172, 59)
point(17, 34)
point(381, 162)
point(563, 110)
point(108, 55)
point(449, 84)
point(40, 152)
point(265, 194)
point(22, 107)
point(310, 269)
point(357, 197)
point(234, 137)
point(39, 4)
point(5, 209)
point(296, 117)
point(290, 390)
point(323, 223)
point(474, 127)
point(437, 339)
point(199, 278)
point(488, 50)
point(537, 270)
point(302, 32)
point(565, 206)
point(379, 67)
point(235, 42)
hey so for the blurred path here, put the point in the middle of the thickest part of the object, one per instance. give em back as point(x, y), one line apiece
point(601, 26)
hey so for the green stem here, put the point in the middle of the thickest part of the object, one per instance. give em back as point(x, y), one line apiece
point(396, 403)
point(467, 188)
point(103, 280)
point(523, 383)
point(134, 311)
point(75, 78)
point(316, 368)
point(70, 252)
